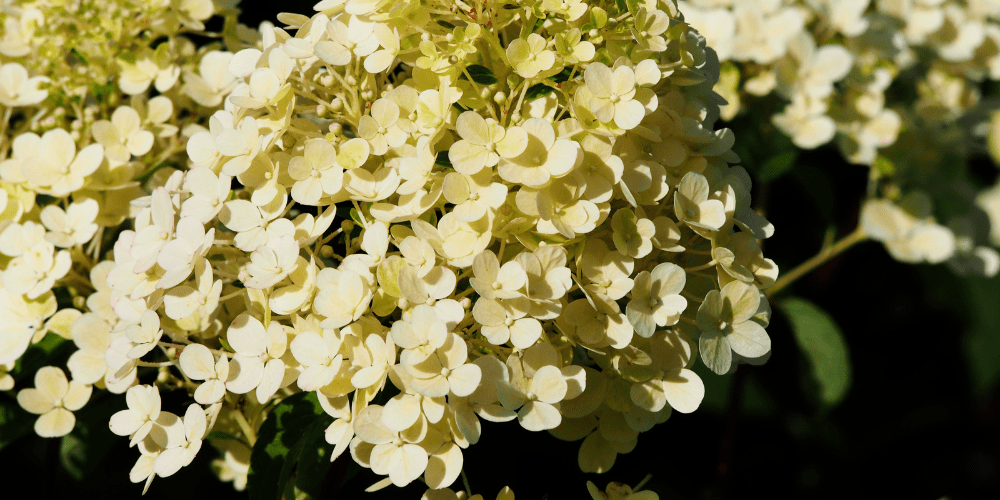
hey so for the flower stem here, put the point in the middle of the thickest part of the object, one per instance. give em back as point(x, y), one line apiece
point(465, 482)
point(857, 236)
point(245, 426)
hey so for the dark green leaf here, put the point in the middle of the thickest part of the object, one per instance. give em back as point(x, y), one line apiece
point(14, 422)
point(314, 460)
point(222, 435)
point(442, 160)
point(482, 75)
point(538, 90)
point(563, 75)
point(982, 344)
point(776, 166)
point(51, 350)
point(820, 339)
point(82, 452)
point(280, 443)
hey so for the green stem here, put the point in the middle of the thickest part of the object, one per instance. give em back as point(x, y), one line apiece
point(817, 260)
point(244, 426)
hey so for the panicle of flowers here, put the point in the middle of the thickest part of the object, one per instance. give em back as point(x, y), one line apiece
point(97, 99)
point(426, 213)
point(833, 62)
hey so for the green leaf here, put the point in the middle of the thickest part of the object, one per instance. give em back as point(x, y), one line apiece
point(537, 90)
point(482, 75)
point(226, 345)
point(442, 160)
point(563, 75)
point(83, 451)
point(282, 439)
point(777, 165)
point(222, 436)
point(52, 350)
point(821, 341)
point(14, 422)
point(981, 343)
point(314, 460)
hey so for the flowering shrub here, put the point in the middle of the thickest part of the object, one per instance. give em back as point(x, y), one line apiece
point(369, 231)
point(411, 216)
point(896, 85)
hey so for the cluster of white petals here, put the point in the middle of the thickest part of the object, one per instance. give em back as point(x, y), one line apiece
point(426, 213)
point(894, 84)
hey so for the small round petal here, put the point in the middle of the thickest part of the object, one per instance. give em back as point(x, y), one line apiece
point(55, 423)
point(34, 401)
point(77, 396)
point(684, 391)
point(464, 380)
point(537, 416)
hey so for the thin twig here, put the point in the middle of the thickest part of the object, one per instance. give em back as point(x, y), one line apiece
point(817, 260)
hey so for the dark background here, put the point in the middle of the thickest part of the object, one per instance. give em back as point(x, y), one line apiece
point(920, 419)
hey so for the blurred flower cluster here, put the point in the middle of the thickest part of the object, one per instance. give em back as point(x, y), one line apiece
point(896, 85)
point(422, 214)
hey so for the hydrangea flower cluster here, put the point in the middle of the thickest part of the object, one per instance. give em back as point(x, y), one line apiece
point(426, 212)
point(96, 97)
point(832, 62)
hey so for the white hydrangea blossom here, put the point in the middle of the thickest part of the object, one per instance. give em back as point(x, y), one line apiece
point(834, 61)
point(502, 204)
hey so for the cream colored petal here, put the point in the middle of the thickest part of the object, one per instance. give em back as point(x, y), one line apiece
point(444, 466)
point(34, 401)
point(77, 396)
point(57, 422)
point(538, 416)
point(197, 362)
point(51, 383)
point(749, 339)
